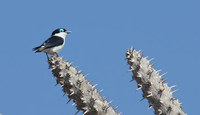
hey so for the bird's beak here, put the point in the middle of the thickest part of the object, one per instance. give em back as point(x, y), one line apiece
point(68, 32)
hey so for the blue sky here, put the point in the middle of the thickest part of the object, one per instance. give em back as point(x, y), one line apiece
point(102, 31)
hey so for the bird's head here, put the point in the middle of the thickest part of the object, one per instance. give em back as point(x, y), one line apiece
point(61, 32)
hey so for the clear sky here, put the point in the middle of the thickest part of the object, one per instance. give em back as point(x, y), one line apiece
point(102, 31)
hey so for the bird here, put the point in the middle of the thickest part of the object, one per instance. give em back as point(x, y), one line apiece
point(53, 44)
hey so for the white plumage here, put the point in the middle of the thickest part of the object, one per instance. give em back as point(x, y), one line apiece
point(55, 43)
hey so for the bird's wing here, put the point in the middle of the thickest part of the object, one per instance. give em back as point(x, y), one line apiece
point(52, 41)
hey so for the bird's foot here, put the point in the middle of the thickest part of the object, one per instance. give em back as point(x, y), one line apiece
point(47, 57)
point(57, 55)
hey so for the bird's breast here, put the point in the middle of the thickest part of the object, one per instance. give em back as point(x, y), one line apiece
point(57, 48)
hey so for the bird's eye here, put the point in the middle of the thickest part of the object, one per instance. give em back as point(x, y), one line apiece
point(61, 30)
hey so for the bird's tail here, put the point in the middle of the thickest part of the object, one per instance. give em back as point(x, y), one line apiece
point(36, 49)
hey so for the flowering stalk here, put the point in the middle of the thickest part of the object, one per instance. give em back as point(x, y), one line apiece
point(84, 95)
point(149, 80)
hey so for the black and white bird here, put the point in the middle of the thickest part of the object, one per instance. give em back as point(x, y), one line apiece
point(54, 44)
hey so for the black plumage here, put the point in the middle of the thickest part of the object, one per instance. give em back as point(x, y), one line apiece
point(49, 43)
point(58, 31)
